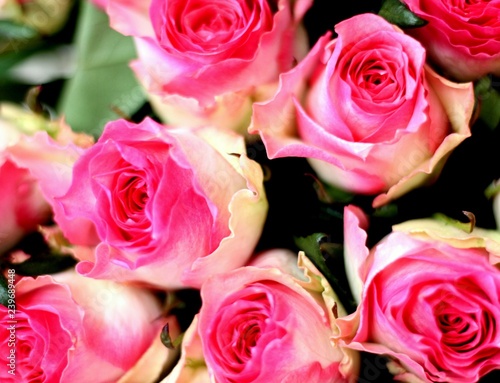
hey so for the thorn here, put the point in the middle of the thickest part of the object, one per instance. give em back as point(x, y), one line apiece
point(165, 337)
point(472, 219)
point(32, 100)
point(335, 311)
point(120, 113)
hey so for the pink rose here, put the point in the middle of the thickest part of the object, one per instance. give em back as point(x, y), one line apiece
point(67, 328)
point(27, 156)
point(21, 203)
point(463, 38)
point(167, 207)
point(229, 46)
point(374, 118)
point(269, 323)
point(431, 306)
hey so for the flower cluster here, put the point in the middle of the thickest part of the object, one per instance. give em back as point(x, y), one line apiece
point(271, 200)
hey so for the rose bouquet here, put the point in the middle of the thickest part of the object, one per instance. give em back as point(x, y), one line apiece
point(249, 191)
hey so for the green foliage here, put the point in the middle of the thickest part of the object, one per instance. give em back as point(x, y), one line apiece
point(387, 211)
point(316, 247)
point(466, 227)
point(10, 30)
point(311, 246)
point(338, 195)
point(104, 86)
point(489, 102)
point(492, 190)
point(4, 297)
point(166, 339)
point(396, 12)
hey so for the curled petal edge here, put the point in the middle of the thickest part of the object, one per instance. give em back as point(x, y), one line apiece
point(248, 209)
point(457, 100)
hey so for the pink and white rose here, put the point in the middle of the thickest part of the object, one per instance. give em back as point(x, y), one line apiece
point(165, 206)
point(69, 328)
point(271, 322)
point(366, 111)
point(22, 204)
point(461, 37)
point(430, 302)
point(231, 47)
point(29, 157)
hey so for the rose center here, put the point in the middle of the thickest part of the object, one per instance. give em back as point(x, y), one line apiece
point(461, 331)
point(372, 76)
point(473, 2)
point(211, 25)
point(243, 329)
point(247, 339)
point(131, 198)
point(471, 10)
point(228, 27)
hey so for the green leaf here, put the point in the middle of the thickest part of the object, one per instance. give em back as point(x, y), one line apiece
point(492, 190)
point(166, 339)
point(396, 12)
point(466, 227)
point(4, 296)
point(311, 246)
point(103, 83)
point(386, 211)
point(315, 245)
point(10, 30)
point(489, 101)
point(15, 38)
point(338, 195)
